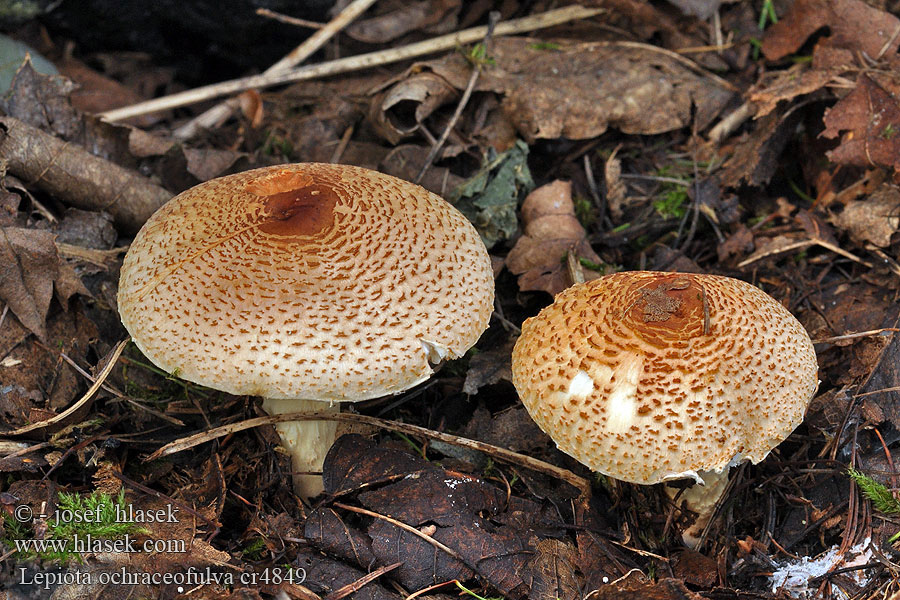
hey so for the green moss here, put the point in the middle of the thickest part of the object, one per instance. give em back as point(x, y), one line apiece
point(255, 549)
point(882, 498)
point(82, 516)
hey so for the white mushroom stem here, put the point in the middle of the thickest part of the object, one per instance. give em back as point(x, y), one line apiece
point(701, 499)
point(306, 441)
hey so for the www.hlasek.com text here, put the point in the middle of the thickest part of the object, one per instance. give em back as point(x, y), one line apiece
point(80, 544)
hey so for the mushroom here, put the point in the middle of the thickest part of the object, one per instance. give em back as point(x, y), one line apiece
point(308, 285)
point(649, 377)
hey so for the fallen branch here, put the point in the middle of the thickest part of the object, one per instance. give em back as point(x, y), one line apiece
point(77, 177)
point(353, 63)
point(220, 112)
point(579, 483)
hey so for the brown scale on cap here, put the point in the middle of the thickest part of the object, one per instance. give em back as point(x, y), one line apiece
point(307, 281)
point(649, 376)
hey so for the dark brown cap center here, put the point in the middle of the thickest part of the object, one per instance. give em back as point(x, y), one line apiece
point(306, 211)
point(294, 205)
point(670, 307)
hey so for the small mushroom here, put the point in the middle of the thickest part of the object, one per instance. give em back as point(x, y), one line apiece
point(308, 285)
point(650, 377)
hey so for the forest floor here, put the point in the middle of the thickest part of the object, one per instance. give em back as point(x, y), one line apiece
point(758, 140)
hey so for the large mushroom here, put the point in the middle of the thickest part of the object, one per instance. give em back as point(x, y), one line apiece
point(650, 377)
point(308, 285)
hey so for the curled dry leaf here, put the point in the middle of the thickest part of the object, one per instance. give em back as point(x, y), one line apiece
point(787, 84)
point(398, 111)
point(489, 367)
point(754, 157)
point(857, 30)
point(251, 104)
point(42, 101)
point(96, 92)
point(551, 230)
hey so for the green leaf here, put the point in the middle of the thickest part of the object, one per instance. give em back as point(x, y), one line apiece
point(489, 199)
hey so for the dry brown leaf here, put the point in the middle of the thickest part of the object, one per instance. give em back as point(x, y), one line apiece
point(577, 91)
point(787, 84)
point(870, 116)
point(854, 26)
point(489, 367)
point(636, 585)
point(737, 244)
point(775, 247)
point(551, 230)
point(251, 104)
point(553, 569)
point(97, 92)
point(755, 156)
point(28, 266)
point(857, 30)
point(695, 569)
point(873, 220)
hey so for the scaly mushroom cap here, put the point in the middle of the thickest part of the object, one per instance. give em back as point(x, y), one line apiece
point(650, 376)
point(313, 281)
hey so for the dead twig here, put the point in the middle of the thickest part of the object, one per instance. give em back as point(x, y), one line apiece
point(342, 145)
point(731, 122)
point(353, 63)
point(222, 111)
point(853, 336)
point(101, 377)
point(101, 258)
point(277, 16)
point(802, 245)
point(22, 450)
point(493, 18)
point(579, 483)
point(115, 392)
point(343, 592)
point(404, 527)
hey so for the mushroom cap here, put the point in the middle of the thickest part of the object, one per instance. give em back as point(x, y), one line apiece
point(313, 281)
point(648, 376)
